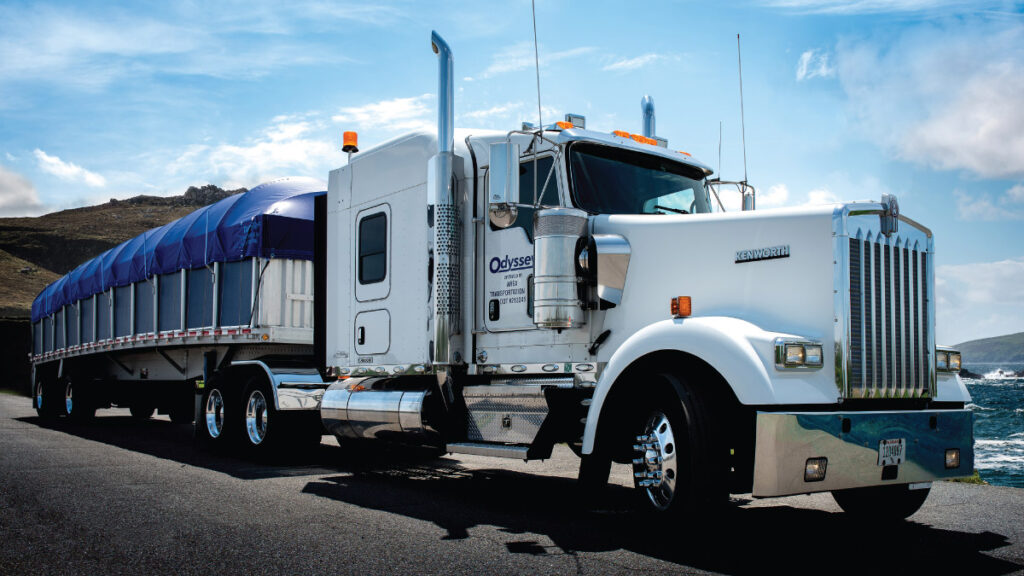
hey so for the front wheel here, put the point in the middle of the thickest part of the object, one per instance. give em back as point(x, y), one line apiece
point(886, 503)
point(674, 469)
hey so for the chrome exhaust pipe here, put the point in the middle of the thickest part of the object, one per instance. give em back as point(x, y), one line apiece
point(440, 191)
point(647, 107)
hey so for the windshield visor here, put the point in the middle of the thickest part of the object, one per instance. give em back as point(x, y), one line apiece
point(609, 180)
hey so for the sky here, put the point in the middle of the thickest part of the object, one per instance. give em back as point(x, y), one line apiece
point(844, 100)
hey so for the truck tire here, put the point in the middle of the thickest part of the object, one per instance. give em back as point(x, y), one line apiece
point(77, 404)
point(215, 427)
point(673, 472)
point(262, 429)
point(883, 503)
point(46, 400)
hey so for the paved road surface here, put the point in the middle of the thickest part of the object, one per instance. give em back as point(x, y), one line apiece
point(120, 496)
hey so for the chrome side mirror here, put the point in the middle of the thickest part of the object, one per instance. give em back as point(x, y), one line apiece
point(503, 184)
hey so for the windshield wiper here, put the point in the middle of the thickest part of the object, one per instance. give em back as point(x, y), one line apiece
point(676, 210)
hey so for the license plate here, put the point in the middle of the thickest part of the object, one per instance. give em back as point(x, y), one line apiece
point(891, 452)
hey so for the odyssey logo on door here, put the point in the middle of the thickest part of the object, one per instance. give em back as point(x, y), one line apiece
point(510, 263)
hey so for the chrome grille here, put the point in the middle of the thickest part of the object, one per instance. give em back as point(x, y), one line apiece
point(888, 319)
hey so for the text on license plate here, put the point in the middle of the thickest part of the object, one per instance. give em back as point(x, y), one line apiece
point(891, 451)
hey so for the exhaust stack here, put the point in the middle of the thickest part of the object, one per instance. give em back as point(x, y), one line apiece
point(440, 191)
point(647, 106)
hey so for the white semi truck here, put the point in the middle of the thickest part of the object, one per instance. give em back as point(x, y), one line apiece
point(497, 293)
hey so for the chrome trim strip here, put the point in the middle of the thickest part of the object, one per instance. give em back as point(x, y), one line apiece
point(492, 450)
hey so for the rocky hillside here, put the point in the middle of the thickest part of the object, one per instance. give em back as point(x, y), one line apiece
point(1009, 349)
point(37, 251)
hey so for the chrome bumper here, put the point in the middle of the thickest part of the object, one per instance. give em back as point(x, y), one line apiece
point(786, 440)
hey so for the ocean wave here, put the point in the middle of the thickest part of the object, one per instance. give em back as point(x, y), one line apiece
point(973, 406)
point(987, 442)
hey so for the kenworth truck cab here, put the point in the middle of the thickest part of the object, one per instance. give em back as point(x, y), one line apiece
point(497, 293)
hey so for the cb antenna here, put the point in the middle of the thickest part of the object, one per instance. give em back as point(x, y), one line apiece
point(536, 62)
point(743, 124)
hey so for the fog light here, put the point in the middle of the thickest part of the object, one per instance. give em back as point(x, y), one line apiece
point(952, 458)
point(812, 354)
point(814, 470)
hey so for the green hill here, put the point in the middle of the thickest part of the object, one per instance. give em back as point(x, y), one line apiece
point(1009, 348)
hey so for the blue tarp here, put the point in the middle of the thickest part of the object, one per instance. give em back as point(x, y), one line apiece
point(273, 220)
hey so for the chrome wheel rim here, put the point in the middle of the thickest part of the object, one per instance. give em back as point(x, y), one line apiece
point(256, 417)
point(68, 401)
point(657, 471)
point(39, 395)
point(215, 413)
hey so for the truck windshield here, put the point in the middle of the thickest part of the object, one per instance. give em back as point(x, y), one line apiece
point(609, 180)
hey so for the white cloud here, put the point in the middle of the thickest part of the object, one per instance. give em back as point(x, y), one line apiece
point(521, 56)
point(880, 6)
point(394, 115)
point(822, 196)
point(11, 157)
point(68, 171)
point(89, 52)
point(625, 64)
point(945, 96)
point(814, 64)
point(983, 207)
point(777, 195)
point(18, 196)
point(287, 145)
point(979, 300)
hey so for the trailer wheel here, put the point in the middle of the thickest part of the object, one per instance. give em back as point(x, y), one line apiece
point(882, 503)
point(214, 426)
point(260, 418)
point(672, 467)
point(77, 405)
point(46, 400)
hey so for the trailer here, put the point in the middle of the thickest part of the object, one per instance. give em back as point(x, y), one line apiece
point(498, 293)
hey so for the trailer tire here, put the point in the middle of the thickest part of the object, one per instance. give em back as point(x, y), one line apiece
point(45, 399)
point(77, 404)
point(262, 431)
point(677, 465)
point(217, 416)
point(881, 503)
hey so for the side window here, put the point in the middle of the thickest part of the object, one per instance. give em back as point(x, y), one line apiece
point(373, 248)
point(548, 195)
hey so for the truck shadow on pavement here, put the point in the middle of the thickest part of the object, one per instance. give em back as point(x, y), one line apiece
point(548, 514)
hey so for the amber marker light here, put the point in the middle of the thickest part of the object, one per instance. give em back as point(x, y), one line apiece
point(564, 125)
point(350, 142)
point(621, 133)
point(644, 139)
point(680, 306)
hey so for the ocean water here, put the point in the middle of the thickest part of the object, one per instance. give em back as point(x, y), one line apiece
point(998, 404)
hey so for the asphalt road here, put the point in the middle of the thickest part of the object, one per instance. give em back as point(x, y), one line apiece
point(120, 496)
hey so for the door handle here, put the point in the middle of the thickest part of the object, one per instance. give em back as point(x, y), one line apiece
point(361, 335)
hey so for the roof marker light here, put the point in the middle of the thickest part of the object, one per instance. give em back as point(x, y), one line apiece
point(564, 125)
point(621, 133)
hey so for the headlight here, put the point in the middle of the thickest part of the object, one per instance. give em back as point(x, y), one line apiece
point(797, 354)
point(947, 360)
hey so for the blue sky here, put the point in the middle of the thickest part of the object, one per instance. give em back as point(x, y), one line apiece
point(844, 100)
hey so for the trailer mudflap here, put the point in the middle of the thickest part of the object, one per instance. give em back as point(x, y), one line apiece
point(861, 448)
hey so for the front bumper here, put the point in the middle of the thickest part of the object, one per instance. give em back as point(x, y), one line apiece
point(786, 440)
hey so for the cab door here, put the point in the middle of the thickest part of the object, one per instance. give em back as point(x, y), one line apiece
point(507, 266)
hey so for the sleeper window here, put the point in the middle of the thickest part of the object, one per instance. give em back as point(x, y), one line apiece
point(373, 243)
